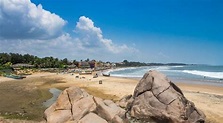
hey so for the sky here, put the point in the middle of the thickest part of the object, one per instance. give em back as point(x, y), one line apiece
point(186, 31)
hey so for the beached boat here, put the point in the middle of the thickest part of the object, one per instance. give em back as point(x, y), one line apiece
point(84, 72)
point(106, 74)
point(14, 76)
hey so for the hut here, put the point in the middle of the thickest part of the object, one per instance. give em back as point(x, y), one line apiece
point(21, 65)
point(83, 64)
point(72, 66)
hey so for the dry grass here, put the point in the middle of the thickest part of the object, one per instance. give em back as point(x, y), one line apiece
point(99, 93)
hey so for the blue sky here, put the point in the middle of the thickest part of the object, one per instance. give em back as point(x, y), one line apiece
point(188, 31)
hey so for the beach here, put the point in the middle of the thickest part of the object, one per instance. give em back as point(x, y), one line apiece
point(22, 99)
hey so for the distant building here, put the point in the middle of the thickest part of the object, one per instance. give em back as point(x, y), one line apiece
point(120, 63)
point(71, 66)
point(107, 65)
point(98, 64)
point(113, 65)
point(92, 64)
point(83, 64)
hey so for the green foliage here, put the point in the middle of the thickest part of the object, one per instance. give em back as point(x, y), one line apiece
point(87, 60)
point(65, 61)
point(126, 63)
point(6, 60)
point(1, 73)
point(7, 65)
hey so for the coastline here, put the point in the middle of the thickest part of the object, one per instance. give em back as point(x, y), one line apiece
point(208, 98)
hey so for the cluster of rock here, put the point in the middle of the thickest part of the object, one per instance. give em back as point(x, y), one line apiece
point(155, 99)
point(74, 105)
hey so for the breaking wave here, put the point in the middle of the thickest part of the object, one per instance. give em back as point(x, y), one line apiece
point(218, 75)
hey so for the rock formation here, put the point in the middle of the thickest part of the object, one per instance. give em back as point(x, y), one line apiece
point(158, 99)
point(155, 99)
point(77, 106)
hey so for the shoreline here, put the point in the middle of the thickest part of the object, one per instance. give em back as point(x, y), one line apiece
point(198, 82)
point(208, 98)
point(183, 81)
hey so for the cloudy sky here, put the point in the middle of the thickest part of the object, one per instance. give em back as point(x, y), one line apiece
point(144, 30)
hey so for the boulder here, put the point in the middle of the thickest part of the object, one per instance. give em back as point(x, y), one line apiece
point(124, 101)
point(157, 99)
point(92, 118)
point(75, 105)
point(109, 110)
point(63, 101)
point(83, 107)
point(60, 116)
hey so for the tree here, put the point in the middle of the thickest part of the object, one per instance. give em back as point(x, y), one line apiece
point(4, 58)
point(65, 61)
point(125, 61)
point(7, 65)
point(87, 60)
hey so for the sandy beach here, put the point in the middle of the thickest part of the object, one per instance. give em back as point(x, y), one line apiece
point(22, 99)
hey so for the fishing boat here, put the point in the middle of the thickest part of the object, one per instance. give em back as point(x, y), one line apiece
point(106, 74)
point(85, 72)
point(14, 76)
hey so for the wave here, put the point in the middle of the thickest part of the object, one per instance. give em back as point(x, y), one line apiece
point(162, 67)
point(177, 66)
point(129, 71)
point(218, 75)
point(127, 75)
point(143, 68)
point(123, 69)
point(136, 71)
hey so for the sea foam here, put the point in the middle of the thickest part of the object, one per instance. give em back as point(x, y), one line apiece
point(218, 75)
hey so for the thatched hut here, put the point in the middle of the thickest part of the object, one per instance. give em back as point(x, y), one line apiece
point(21, 65)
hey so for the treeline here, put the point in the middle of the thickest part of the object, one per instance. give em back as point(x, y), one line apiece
point(7, 59)
point(127, 63)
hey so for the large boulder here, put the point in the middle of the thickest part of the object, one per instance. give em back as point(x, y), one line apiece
point(75, 105)
point(157, 99)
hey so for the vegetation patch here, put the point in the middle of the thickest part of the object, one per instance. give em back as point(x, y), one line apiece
point(99, 93)
point(22, 100)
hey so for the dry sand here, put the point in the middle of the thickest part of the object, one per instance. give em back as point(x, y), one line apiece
point(207, 98)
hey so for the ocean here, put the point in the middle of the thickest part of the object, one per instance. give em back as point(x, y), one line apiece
point(198, 74)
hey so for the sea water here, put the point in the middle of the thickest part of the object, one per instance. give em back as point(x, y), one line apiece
point(206, 74)
point(56, 92)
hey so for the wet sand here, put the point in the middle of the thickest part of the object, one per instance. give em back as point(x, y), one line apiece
point(35, 89)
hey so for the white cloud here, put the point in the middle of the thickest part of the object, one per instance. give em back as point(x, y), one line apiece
point(27, 28)
point(21, 19)
point(60, 46)
point(91, 36)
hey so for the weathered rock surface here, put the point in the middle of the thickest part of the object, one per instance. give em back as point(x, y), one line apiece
point(124, 101)
point(92, 118)
point(75, 105)
point(158, 99)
